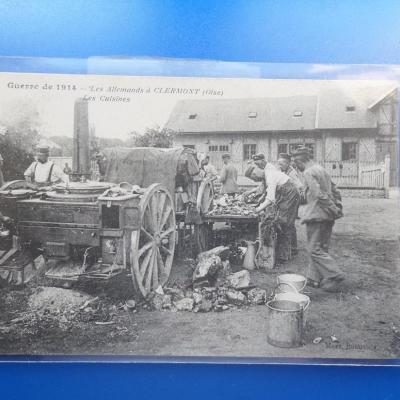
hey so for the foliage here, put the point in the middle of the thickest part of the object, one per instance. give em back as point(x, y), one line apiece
point(16, 158)
point(152, 137)
point(19, 122)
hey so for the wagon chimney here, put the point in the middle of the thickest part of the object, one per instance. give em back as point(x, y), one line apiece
point(81, 151)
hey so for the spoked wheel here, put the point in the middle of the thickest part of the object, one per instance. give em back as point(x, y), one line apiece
point(205, 197)
point(153, 246)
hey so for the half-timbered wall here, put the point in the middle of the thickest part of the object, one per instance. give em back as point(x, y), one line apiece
point(342, 153)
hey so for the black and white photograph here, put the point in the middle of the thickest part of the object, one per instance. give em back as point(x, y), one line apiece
point(200, 217)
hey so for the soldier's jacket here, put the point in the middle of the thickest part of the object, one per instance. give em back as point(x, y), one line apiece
point(323, 198)
point(229, 179)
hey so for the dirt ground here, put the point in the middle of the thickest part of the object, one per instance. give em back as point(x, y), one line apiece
point(363, 317)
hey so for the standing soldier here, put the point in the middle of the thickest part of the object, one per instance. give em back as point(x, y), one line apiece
point(281, 191)
point(210, 171)
point(44, 172)
point(284, 165)
point(229, 176)
point(321, 211)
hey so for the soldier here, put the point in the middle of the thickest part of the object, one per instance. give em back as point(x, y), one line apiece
point(284, 165)
point(321, 210)
point(44, 172)
point(281, 191)
point(256, 174)
point(209, 170)
point(229, 176)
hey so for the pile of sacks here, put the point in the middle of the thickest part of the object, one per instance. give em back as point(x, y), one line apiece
point(227, 205)
point(214, 287)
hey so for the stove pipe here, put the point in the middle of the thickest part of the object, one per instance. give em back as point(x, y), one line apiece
point(81, 150)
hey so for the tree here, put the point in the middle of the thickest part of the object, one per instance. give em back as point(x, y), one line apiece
point(153, 137)
point(20, 122)
point(16, 158)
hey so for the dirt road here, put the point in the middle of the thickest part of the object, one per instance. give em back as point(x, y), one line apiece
point(366, 246)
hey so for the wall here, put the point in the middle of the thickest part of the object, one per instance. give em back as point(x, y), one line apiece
point(267, 143)
point(386, 114)
point(327, 150)
point(346, 172)
point(234, 141)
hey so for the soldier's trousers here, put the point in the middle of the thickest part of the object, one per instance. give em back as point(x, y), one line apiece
point(321, 264)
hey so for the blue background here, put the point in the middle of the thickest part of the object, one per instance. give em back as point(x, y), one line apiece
point(257, 31)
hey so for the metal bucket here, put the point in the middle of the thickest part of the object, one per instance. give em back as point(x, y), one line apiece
point(285, 323)
point(300, 298)
point(290, 283)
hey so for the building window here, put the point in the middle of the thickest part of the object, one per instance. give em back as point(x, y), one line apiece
point(188, 146)
point(292, 147)
point(350, 108)
point(298, 114)
point(248, 151)
point(282, 148)
point(213, 148)
point(192, 116)
point(252, 114)
point(223, 147)
point(349, 151)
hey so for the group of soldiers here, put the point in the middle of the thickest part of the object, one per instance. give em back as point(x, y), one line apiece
point(295, 180)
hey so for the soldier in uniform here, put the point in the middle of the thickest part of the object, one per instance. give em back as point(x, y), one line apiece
point(284, 165)
point(322, 208)
point(43, 172)
point(281, 191)
point(210, 171)
point(229, 176)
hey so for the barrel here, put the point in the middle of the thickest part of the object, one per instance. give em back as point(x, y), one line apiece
point(285, 323)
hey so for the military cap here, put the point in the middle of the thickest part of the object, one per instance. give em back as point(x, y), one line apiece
point(226, 155)
point(258, 157)
point(285, 156)
point(43, 149)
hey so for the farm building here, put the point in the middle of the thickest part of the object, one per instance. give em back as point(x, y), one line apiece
point(352, 131)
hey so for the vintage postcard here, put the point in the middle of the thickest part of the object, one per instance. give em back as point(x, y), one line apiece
point(178, 216)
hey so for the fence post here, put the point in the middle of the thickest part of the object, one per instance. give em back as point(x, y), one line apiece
point(386, 181)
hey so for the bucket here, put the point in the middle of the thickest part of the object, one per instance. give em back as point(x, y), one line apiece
point(285, 323)
point(290, 283)
point(299, 298)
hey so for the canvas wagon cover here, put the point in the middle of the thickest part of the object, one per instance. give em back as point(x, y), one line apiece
point(143, 166)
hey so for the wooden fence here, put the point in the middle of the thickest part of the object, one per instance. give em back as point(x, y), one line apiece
point(376, 176)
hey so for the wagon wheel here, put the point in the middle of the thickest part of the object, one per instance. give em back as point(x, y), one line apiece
point(205, 197)
point(18, 184)
point(152, 247)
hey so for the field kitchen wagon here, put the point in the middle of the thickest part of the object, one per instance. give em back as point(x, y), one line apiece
point(86, 229)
